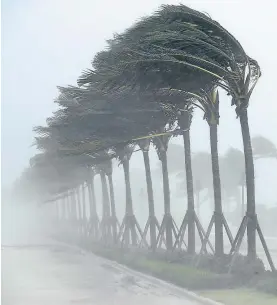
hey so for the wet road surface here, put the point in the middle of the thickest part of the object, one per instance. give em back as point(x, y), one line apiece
point(58, 275)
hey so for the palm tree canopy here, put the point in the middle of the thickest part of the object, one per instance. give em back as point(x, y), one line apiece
point(175, 41)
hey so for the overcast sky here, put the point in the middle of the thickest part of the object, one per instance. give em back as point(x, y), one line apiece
point(49, 43)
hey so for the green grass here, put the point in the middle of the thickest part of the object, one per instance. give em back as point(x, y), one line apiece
point(219, 287)
point(240, 297)
point(179, 274)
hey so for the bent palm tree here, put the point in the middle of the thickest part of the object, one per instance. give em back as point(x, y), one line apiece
point(108, 170)
point(168, 226)
point(129, 223)
point(152, 222)
point(184, 121)
point(210, 105)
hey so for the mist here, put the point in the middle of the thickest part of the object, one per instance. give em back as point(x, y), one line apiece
point(51, 251)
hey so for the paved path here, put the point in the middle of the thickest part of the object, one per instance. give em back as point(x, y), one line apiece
point(58, 275)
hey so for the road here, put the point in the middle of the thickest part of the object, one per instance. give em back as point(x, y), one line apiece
point(55, 274)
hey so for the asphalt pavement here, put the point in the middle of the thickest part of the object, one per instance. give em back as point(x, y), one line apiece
point(54, 274)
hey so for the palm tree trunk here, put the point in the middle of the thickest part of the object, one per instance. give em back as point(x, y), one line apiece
point(67, 206)
point(79, 204)
point(113, 211)
point(219, 245)
point(84, 210)
point(150, 199)
point(129, 204)
point(169, 241)
point(197, 195)
point(250, 185)
point(242, 201)
point(63, 208)
point(57, 213)
point(190, 193)
point(71, 209)
point(74, 211)
point(73, 206)
point(84, 203)
point(106, 206)
point(93, 217)
point(92, 200)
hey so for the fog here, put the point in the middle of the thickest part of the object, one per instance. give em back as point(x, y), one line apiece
point(46, 44)
point(37, 269)
point(23, 224)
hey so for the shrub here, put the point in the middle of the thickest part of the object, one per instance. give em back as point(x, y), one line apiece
point(267, 283)
point(243, 267)
point(213, 263)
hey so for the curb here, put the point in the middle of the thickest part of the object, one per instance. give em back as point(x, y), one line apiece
point(154, 280)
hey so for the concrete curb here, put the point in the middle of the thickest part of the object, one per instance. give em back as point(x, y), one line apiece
point(156, 281)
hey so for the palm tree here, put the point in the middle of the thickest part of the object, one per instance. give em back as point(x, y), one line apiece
point(129, 223)
point(152, 221)
point(168, 226)
point(212, 117)
point(176, 48)
point(183, 114)
point(201, 49)
point(79, 208)
point(112, 198)
point(190, 218)
point(210, 108)
point(89, 176)
point(93, 216)
point(107, 168)
point(106, 213)
point(84, 209)
point(148, 44)
point(57, 175)
point(241, 100)
point(123, 125)
point(210, 105)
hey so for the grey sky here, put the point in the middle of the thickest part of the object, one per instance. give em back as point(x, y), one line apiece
point(49, 43)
